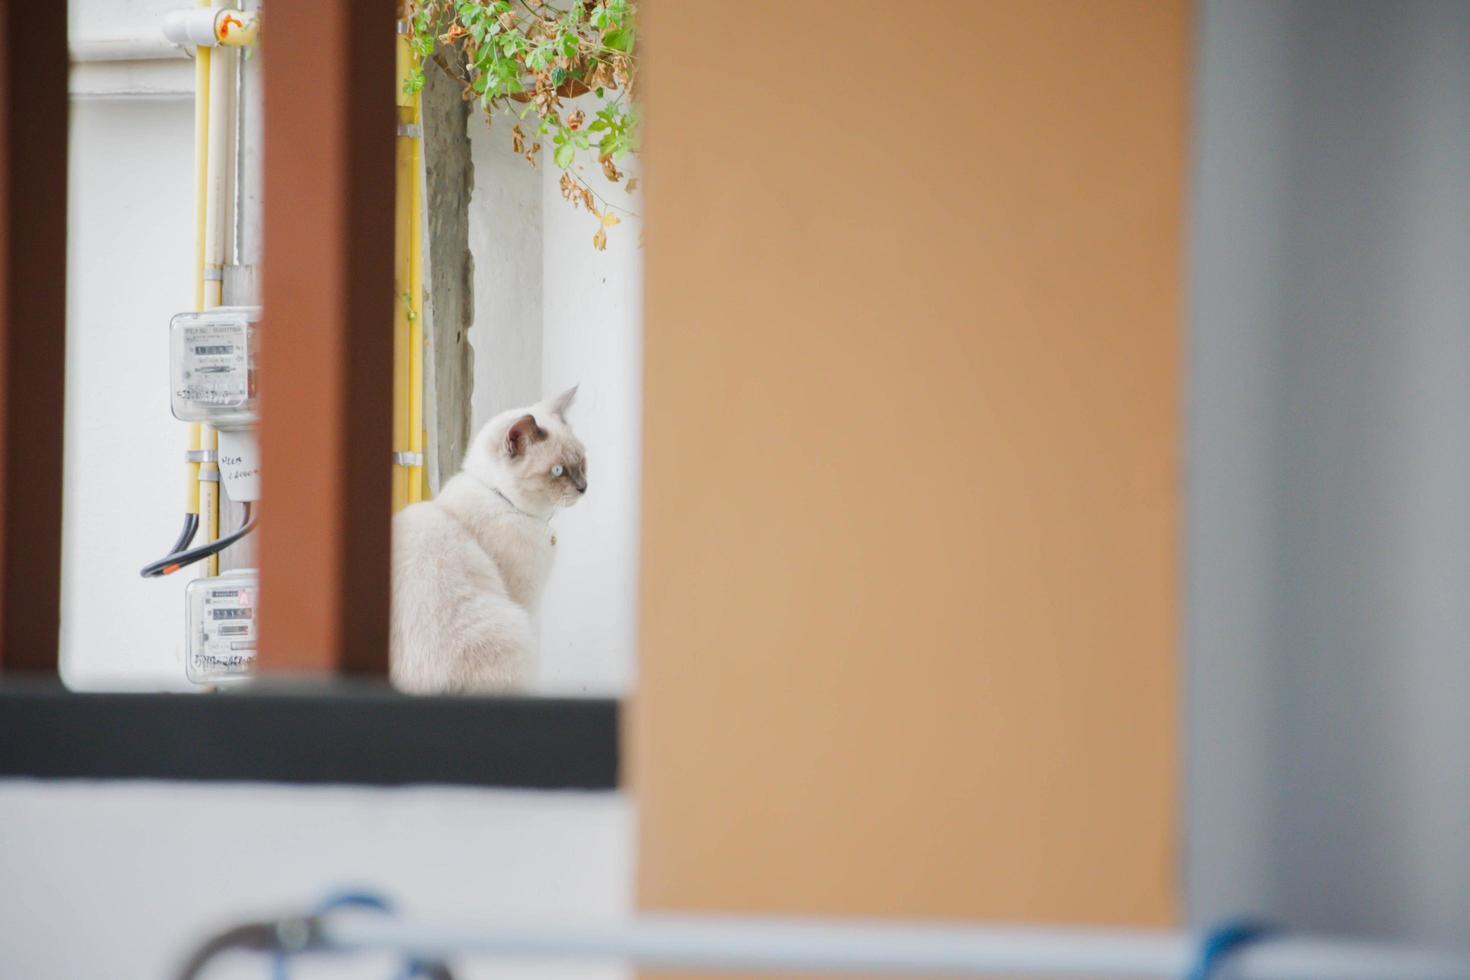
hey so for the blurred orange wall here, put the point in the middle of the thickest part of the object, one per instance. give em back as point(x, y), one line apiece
point(912, 458)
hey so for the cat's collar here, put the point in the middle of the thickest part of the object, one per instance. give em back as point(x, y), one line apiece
point(511, 504)
point(508, 502)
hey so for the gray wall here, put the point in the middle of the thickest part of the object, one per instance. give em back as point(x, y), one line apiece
point(1329, 468)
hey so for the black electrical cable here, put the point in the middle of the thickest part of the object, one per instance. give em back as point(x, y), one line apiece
point(191, 527)
point(258, 937)
point(183, 559)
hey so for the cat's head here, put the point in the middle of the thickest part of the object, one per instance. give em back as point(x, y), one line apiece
point(531, 456)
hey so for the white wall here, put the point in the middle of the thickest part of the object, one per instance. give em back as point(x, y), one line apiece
point(129, 259)
point(122, 880)
point(505, 243)
point(1329, 473)
point(550, 312)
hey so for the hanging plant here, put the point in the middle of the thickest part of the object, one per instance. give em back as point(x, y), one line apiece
point(526, 60)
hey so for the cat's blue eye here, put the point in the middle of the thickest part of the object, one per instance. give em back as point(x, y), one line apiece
point(557, 470)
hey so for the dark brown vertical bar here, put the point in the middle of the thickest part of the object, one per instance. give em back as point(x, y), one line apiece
point(326, 368)
point(33, 114)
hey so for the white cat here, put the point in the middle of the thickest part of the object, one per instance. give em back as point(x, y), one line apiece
point(469, 566)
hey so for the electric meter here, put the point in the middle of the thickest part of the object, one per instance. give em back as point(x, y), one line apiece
point(212, 369)
point(220, 627)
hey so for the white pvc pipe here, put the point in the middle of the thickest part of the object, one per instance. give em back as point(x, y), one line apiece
point(151, 48)
point(855, 947)
point(217, 211)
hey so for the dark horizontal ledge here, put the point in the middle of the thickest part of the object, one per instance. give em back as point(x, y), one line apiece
point(342, 733)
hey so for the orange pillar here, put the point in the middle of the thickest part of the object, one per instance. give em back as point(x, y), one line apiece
point(909, 614)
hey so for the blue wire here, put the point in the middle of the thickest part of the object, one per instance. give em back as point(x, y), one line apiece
point(354, 900)
point(346, 899)
point(1223, 941)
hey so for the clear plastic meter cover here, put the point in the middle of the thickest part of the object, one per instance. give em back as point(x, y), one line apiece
point(221, 627)
point(212, 365)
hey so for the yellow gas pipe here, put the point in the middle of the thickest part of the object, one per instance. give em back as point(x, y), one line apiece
point(201, 214)
point(416, 474)
point(211, 271)
point(408, 331)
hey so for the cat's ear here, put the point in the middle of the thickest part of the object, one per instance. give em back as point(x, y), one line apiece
point(521, 434)
point(563, 401)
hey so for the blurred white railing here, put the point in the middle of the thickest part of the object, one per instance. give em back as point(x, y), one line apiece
point(871, 947)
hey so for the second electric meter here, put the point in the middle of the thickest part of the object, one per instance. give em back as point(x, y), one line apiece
point(212, 369)
point(220, 627)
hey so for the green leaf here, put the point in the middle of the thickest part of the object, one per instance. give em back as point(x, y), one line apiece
point(481, 83)
point(581, 141)
point(564, 155)
point(598, 125)
point(619, 40)
point(600, 93)
point(558, 75)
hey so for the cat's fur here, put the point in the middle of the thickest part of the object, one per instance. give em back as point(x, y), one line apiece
point(469, 566)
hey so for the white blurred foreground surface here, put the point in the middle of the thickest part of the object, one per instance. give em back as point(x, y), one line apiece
point(124, 879)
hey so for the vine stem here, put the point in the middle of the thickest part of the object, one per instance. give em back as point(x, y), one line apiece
point(606, 203)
